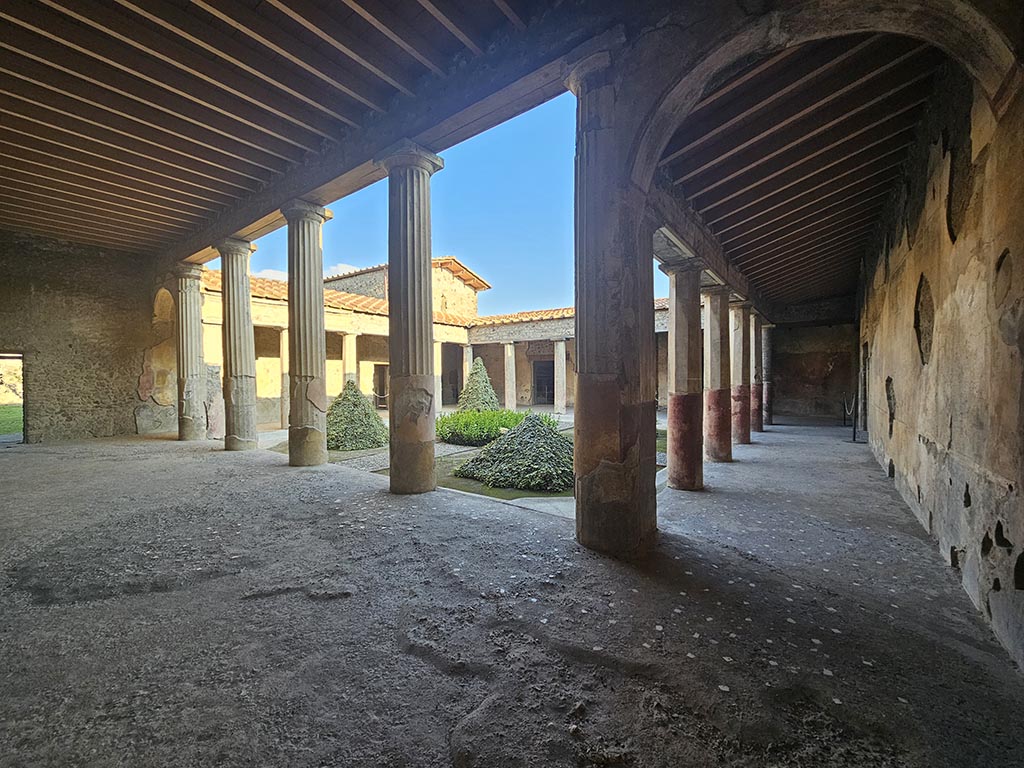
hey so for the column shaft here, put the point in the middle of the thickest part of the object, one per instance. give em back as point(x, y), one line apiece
point(350, 357)
point(757, 376)
point(438, 375)
point(560, 364)
point(717, 389)
point(239, 347)
point(766, 374)
point(616, 377)
point(685, 406)
point(307, 341)
point(510, 376)
point(412, 402)
point(740, 316)
point(191, 367)
point(467, 363)
point(285, 383)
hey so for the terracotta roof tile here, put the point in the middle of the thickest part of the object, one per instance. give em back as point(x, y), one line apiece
point(450, 263)
point(564, 313)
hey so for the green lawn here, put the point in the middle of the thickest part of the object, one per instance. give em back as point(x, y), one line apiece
point(662, 441)
point(10, 419)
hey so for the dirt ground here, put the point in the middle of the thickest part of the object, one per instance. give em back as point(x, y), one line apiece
point(165, 604)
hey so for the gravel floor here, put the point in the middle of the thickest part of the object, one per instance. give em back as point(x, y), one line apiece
point(164, 604)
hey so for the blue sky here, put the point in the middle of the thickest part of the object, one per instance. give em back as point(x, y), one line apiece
point(503, 205)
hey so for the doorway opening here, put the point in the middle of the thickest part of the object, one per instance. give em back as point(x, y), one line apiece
point(12, 398)
point(544, 382)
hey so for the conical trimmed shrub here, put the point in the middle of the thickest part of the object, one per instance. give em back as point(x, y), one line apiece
point(352, 422)
point(478, 394)
point(533, 456)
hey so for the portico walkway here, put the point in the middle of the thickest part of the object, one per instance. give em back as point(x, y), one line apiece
point(222, 608)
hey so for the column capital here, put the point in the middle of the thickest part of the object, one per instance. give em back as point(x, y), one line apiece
point(716, 290)
point(234, 246)
point(742, 304)
point(693, 265)
point(299, 210)
point(188, 271)
point(585, 71)
point(406, 153)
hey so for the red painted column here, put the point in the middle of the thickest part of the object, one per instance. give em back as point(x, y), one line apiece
point(685, 407)
point(740, 316)
point(717, 390)
point(766, 372)
point(757, 379)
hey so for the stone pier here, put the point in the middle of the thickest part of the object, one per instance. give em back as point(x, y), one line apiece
point(412, 401)
point(717, 388)
point(685, 385)
point(307, 345)
point(350, 357)
point(510, 375)
point(438, 379)
point(467, 363)
point(239, 347)
point(756, 375)
point(560, 384)
point(740, 347)
point(766, 373)
point(615, 416)
point(191, 367)
point(285, 384)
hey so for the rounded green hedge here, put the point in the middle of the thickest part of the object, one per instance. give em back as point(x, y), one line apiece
point(352, 422)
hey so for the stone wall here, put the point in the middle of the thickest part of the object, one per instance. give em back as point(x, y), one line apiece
point(374, 283)
point(814, 370)
point(943, 320)
point(81, 316)
point(452, 295)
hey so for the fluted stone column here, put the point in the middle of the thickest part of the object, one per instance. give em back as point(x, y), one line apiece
point(756, 376)
point(510, 376)
point(285, 384)
point(717, 388)
point(615, 414)
point(412, 401)
point(350, 357)
point(467, 363)
point(685, 407)
point(766, 373)
point(191, 367)
point(307, 341)
point(560, 388)
point(740, 345)
point(239, 347)
point(438, 375)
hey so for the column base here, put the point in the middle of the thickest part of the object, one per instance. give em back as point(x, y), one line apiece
point(718, 425)
point(191, 429)
point(616, 468)
point(412, 434)
point(741, 414)
point(232, 443)
point(239, 413)
point(307, 447)
point(685, 441)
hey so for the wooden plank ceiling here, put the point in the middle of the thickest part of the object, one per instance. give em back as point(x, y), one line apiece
point(130, 123)
point(791, 160)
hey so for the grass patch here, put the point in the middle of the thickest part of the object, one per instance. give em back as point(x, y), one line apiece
point(662, 441)
point(11, 419)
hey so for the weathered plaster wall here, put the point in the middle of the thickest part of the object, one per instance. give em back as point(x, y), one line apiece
point(945, 401)
point(814, 370)
point(452, 295)
point(82, 318)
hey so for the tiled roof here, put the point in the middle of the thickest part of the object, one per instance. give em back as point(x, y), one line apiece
point(450, 263)
point(564, 313)
point(277, 290)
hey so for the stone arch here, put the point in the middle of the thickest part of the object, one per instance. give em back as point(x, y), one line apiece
point(956, 27)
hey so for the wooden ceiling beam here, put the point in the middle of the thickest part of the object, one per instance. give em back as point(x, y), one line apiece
point(90, 89)
point(816, 287)
point(862, 107)
point(511, 13)
point(17, 179)
point(265, 67)
point(840, 250)
point(821, 150)
point(45, 201)
point(837, 271)
point(820, 187)
point(814, 215)
point(53, 139)
point(98, 191)
point(704, 125)
point(59, 129)
point(126, 29)
point(55, 212)
point(104, 61)
point(271, 36)
point(755, 263)
point(319, 22)
point(840, 227)
point(452, 19)
point(393, 27)
point(46, 228)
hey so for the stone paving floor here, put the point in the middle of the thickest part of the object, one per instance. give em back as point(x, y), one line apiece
point(165, 604)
